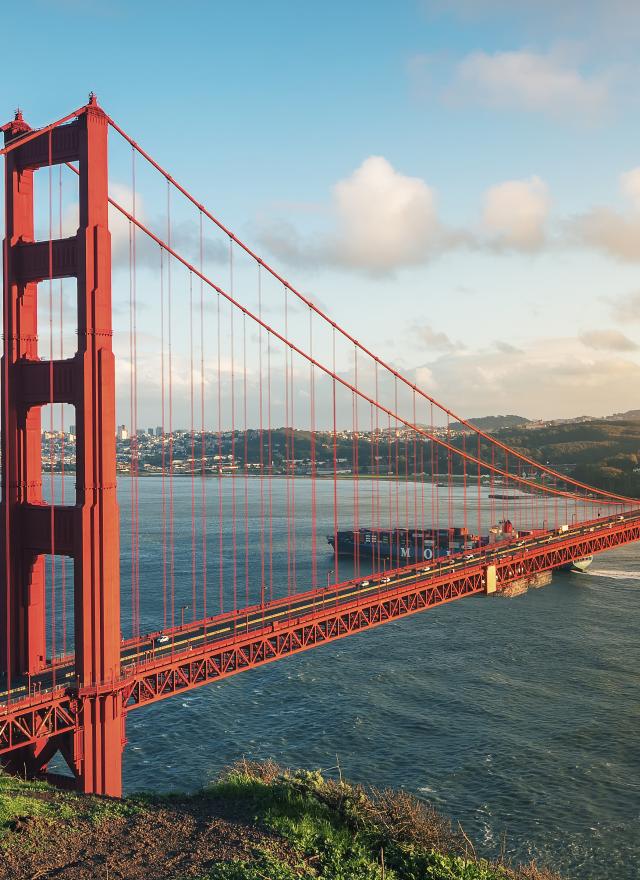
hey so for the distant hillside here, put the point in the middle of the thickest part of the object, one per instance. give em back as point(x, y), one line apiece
point(604, 453)
point(497, 423)
point(632, 415)
point(493, 423)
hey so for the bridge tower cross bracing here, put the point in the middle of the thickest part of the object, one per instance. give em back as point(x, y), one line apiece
point(88, 530)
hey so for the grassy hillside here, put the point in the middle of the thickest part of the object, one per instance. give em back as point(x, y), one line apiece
point(257, 823)
point(603, 454)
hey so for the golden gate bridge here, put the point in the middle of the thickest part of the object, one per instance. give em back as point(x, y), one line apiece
point(216, 339)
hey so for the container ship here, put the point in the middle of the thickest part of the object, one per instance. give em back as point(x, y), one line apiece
point(400, 546)
point(403, 546)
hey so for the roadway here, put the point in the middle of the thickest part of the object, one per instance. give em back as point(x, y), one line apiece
point(192, 635)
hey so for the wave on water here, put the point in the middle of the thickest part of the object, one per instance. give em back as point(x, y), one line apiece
point(615, 574)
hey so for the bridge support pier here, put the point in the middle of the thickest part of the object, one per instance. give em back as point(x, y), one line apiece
point(490, 580)
point(98, 745)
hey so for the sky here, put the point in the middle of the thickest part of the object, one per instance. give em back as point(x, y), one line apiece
point(456, 183)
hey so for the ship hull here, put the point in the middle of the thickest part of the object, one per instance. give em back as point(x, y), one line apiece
point(392, 555)
point(398, 547)
point(578, 566)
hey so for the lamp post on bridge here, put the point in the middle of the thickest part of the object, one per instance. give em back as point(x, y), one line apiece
point(183, 608)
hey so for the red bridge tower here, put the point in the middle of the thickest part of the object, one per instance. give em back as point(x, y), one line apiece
point(86, 531)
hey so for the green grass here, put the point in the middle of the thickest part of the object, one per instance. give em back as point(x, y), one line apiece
point(22, 800)
point(263, 867)
point(331, 826)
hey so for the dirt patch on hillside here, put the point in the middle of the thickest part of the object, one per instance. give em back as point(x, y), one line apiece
point(183, 839)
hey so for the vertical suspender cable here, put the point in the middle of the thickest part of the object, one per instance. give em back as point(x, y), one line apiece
point(355, 475)
point(288, 454)
point(505, 503)
point(270, 465)
point(163, 453)
point(203, 450)
point(220, 510)
point(246, 459)
point(193, 454)
point(390, 489)
point(377, 457)
point(136, 475)
point(172, 565)
point(261, 435)
point(51, 419)
point(294, 573)
point(449, 487)
point(335, 461)
point(397, 470)
point(312, 442)
point(415, 480)
point(132, 513)
point(132, 435)
point(233, 438)
point(479, 488)
point(372, 515)
point(422, 476)
point(492, 505)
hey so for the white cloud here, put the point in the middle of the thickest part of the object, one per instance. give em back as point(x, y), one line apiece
point(282, 238)
point(607, 340)
point(385, 219)
point(506, 347)
point(381, 220)
point(121, 229)
point(424, 378)
point(515, 213)
point(611, 232)
point(616, 233)
point(526, 80)
point(630, 186)
point(626, 309)
point(434, 340)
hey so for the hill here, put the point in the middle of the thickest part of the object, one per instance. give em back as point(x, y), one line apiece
point(492, 423)
point(257, 823)
point(631, 415)
point(603, 453)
